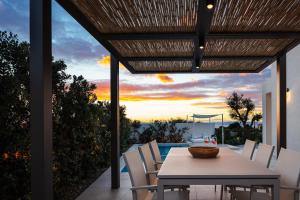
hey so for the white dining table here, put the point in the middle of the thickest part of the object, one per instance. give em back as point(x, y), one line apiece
point(228, 168)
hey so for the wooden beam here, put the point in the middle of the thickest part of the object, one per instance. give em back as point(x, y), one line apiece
point(115, 123)
point(197, 72)
point(165, 58)
point(237, 58)
point(149, 36)
point(190, 58)
point(204, 18)
point(281, 102)
point(253, 35)
point(192, 36)
point(90, 27)
point(41, 99)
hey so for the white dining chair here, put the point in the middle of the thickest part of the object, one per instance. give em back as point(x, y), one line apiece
point(247, 152)
point(156, 154)
point(248, 149)
point(288, 166)
point(141, 190)
point(151, 171)
point(264, 154)
point(149, 163)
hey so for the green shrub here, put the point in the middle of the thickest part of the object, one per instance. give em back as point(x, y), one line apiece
point(237, 135)
point(81, 126)
point(162, 132)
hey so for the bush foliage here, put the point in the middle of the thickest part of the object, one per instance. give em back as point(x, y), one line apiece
point(162, 132)
point(81, 126)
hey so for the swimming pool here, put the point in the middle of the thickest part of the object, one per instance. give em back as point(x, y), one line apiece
point(164, 149)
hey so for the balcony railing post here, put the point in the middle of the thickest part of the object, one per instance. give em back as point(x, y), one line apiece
point(41, 99)
point(115, 123)
point(281, 102)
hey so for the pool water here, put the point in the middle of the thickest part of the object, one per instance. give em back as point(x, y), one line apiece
point(164, 149)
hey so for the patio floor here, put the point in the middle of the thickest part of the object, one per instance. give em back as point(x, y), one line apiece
point(100, 189)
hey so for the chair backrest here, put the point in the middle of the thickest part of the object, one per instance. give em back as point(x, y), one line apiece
point(148, 161)
point(248, 149)
point(288, 166)
point(136, 172)
point(264, 154)
point(155, 151)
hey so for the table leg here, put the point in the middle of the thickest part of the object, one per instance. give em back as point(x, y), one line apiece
point(160, 190)
point(276, 190)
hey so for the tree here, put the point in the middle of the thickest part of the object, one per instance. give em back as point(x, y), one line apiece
point(81, 132)
point(242, 108)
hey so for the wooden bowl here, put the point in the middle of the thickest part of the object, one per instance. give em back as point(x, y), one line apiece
point(204, 152)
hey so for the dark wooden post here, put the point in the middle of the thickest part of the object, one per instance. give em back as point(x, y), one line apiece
point(41, 99)
point(281, 102)
point(115, 123)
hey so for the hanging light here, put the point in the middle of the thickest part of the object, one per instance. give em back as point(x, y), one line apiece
point(201, 43)
point(209, 4)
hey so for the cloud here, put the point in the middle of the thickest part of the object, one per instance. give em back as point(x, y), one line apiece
point(134, 92)
point(213, 105)
point(164, 78)
point(104, 61)
point(15, 19)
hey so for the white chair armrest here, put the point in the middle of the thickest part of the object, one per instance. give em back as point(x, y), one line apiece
point(289, 188)
point(144, 187)
point(151, 172)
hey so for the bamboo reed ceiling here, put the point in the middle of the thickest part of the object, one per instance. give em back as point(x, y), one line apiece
point(245, 47)
point(137, 48)
point(139, 31)
point(256, 15)
point(119, 16)
point(163, 66)
point(243, 65)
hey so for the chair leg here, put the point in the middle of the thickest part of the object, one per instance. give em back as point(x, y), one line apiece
point(215, 188)
point(221, 194)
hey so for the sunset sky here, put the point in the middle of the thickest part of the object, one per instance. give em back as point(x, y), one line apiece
point(146, 97)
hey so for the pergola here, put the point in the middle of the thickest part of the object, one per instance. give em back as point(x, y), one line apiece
point(160, 36)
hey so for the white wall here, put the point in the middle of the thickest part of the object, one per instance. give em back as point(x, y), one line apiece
point(293, 100)
point(194, 129)
point(270, 87)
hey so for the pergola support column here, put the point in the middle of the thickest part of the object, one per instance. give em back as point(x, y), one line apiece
point(115, 123)
point(41, 99)
point(281, 102)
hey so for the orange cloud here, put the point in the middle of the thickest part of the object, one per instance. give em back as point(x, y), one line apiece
point(214, 105)
point(164, 78)
point(105, 61)
point(131, 92)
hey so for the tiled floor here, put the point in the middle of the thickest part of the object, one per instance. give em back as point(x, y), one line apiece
point(100, 190)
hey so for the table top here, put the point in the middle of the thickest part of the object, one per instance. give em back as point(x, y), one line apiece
point(228, 164)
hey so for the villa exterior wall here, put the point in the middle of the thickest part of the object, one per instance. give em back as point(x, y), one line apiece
point(293, 100)
point(270, 87)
